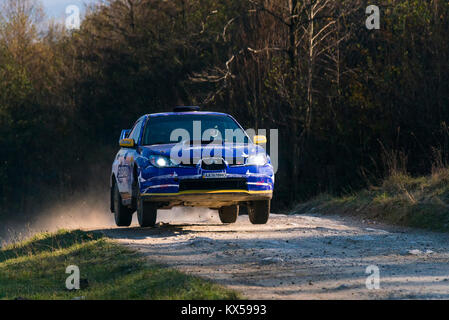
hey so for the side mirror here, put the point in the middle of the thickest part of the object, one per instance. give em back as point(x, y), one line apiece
point(127, 143)
point(260, 139)
point(124, 134)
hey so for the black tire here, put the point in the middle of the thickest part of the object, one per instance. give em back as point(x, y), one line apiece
point(229, 214)
point(259, 211)
point(146, 213)
point(123, 215)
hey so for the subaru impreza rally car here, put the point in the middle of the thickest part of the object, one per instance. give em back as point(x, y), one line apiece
point(190, 158)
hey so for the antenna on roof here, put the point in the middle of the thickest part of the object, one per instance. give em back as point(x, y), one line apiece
point(186, 109)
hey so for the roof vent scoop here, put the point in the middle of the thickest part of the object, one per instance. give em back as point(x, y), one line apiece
point(186, 109)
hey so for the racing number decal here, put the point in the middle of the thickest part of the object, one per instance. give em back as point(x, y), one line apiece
point(122, 172)
point(125, 167)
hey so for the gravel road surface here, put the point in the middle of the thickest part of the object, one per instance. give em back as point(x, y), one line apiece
point(298, 257)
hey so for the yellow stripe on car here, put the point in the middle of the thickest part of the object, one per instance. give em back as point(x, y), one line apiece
point(207, 192)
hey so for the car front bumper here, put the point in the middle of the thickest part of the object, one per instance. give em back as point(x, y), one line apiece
point(190, 187)
point(210, 199)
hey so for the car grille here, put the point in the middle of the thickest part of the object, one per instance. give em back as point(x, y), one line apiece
point(218, 165)
point(212, 184)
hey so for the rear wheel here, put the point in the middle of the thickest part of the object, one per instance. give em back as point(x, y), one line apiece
point(259, 211)
point(229, 214)
point(146, 213)
point(123, 215)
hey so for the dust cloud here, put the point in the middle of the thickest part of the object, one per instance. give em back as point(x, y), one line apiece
point(91, 213)
point(80, 215)
point(179, 215)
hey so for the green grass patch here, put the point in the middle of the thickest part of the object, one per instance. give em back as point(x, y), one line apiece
point(421, 202)
point(36, 269)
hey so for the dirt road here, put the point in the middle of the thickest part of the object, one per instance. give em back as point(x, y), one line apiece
point(300, 257)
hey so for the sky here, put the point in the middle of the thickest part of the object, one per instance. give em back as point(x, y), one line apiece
point(56, 8)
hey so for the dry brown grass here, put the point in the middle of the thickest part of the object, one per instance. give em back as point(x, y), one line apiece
point(401, 199)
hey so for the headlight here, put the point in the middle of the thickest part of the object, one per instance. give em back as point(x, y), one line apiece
point(162, 162)
point(259, 159)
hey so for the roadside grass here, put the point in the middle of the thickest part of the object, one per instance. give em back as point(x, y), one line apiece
point(420, 202)
point(36, 269)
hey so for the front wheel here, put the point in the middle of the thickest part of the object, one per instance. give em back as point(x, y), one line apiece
point(123, 215)
point(259, 211)
point(146, 213)
point(229, 214)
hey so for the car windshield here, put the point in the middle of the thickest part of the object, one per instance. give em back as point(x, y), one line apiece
point(193, 128)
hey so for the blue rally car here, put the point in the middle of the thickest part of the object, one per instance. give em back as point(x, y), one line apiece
point(190, 158)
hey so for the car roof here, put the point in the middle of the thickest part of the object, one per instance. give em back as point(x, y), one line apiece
point(201, 113)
